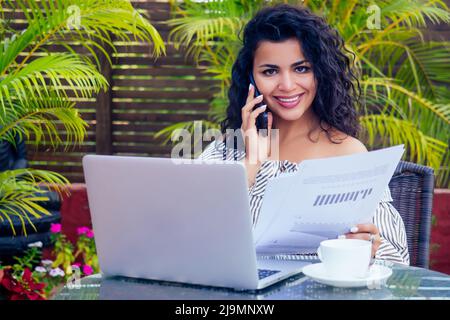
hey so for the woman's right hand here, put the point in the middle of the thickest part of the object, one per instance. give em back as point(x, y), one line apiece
point(257, 145)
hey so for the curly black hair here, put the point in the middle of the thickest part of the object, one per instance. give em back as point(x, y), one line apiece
point(338, 88)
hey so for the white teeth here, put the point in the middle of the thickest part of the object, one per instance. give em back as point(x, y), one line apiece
point(289, 100)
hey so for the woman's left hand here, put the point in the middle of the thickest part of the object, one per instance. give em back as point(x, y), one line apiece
point(368, 232)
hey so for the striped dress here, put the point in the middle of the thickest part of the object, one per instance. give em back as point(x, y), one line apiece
point(394, 246)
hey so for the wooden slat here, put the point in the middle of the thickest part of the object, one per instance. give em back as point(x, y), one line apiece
point(90, 137)
point(158, 15)
point(156, 117)
point(18, 25)
point(134, 127)
point(156, 83)
point(152, 61)
point(160, 105)
point(133, 154)
point(160, 26)
point(142, 148)
point(103, 131)
point(157, 10)
point(143, 48)
point(61, 128)
point(14, 15)
point(58, 168)
point(63, 157)
point(164, 94)
point(87, 115)
point(149, 61)
point(161, 71)
point(156, 5)
point(75, 177)
point(85, 105)
point(135, 139)
point(148, 49)
point(48, 149)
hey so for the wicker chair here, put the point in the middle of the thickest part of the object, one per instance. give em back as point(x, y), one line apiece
point(412, 191)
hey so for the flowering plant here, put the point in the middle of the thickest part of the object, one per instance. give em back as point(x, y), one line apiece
point(87, 250)
point(24, 287)
point(33, 278)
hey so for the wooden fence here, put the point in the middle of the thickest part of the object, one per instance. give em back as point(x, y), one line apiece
point(145, 96)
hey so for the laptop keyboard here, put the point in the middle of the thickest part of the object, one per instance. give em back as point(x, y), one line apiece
point(264, 273)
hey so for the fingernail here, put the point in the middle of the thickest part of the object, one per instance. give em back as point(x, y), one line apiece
point(259, 97)
point(354, 229)
point(342, 236)
point(249, 87)
point(263, 106)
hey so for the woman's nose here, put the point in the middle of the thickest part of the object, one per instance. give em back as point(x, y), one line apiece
point(286, 83)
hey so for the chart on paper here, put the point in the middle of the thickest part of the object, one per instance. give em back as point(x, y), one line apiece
point(323, 199)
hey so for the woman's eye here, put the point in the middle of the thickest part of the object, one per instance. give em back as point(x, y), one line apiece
point(302, 69)
point(269, 72)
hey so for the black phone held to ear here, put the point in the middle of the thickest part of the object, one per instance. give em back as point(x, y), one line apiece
point(263, 118)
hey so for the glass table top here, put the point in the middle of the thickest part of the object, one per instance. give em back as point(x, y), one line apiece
point(406, 282)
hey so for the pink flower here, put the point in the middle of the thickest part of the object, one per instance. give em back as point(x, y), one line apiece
point(77, 264)
point(82, 230)
point(55, 228)
point(87, 269)
point(90, 234)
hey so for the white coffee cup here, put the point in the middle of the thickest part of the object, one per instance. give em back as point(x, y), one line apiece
point(345, 258)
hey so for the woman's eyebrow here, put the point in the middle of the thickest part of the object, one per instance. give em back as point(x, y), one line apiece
point(299, 63)
point(295, 64)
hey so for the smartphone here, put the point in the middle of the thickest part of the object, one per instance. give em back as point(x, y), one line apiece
point(262, 119)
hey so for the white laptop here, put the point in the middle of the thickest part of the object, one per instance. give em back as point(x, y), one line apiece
point(165, 219)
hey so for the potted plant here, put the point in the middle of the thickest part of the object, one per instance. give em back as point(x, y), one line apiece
point(34, 83)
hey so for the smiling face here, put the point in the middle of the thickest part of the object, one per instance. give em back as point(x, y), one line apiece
point(285, 78)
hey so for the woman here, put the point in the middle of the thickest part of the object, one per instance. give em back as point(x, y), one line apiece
point(306, 85)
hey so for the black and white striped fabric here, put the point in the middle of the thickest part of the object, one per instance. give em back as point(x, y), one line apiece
point(394, 246)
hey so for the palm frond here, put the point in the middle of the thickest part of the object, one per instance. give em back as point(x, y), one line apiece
point(432, 60)
point(419, 65)
point(198, 33)
point(198, 26)
point(46, 74)
point(202, 29)
point(409, 13)
point(415, 13)
point(39, 117)
point(382, 130)
point(20, 195)
point(96, 20)
point(442, 111)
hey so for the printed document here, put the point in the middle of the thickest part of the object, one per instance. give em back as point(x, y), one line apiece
point(322, 200)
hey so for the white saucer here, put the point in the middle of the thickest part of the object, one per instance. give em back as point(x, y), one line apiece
point(377, 276)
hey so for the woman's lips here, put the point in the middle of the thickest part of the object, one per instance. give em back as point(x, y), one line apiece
point(289, 102)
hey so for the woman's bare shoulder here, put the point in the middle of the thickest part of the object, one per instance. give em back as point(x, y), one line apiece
point(346, 144)
point(353, 145)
